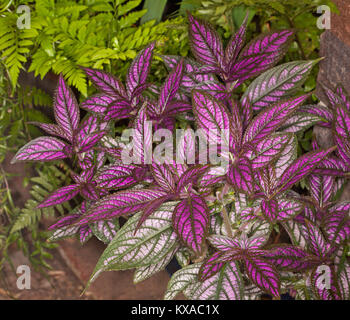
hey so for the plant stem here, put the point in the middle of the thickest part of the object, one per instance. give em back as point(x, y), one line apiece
point(297, 39)
point(227, 223)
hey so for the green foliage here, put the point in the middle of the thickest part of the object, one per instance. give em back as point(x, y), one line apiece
point(266, 15)
point(49, 179)
point(155, 10)
point(65, 35)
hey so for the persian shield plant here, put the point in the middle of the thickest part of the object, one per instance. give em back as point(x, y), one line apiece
point(221, 220)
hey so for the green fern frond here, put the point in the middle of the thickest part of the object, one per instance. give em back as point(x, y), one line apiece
point(48, 180)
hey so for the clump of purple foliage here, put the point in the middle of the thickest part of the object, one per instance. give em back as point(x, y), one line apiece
point(219, 225)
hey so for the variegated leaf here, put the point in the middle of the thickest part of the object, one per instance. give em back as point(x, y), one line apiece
point(268, 149)
point(60, 195)
point(300, 122)
point(66, 109)
point(260, 54)
point(277, 83)
point(205, 43)
point(119, 204)
point(149, 245)
point(139, 69)
point(43, 149)
point(271, 119)
point(105, 230)
point(263, 274)
point(191, 222)
point(143, 273)
point(106, 82)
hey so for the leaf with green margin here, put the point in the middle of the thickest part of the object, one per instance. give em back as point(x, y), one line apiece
point(344, 282)
point(128, 250)
point(300, 122)
point(105, 230)
point(143, 273)
point(183, 257)
point(227, 284)
point(181, 280)
point(277, 83)
point(293, 229)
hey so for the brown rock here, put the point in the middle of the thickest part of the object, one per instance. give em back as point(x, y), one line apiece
point(340, 23)
point(324, 137)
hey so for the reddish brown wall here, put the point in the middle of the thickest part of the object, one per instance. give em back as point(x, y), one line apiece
point(335, 47)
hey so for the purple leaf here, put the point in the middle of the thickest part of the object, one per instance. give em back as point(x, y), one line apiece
point(139, 69)
point(277, 83)
point(65, 221)
point(42, 149)
point(150, 208)
point(186, 150)
point(321, 188)
point(51, 129)
point(237, 125)
point(89, 134)
point(142, 137)
point(210, 179)
point(315, 239)
point(247, 112)
point(336, 226)
point(210, 267)
point(301, 168)
point(300, 122)
point(171, 86)
point(235, 45)
point(214, 88)
point(116, 176)
point(240, 175)
point(269, 209)
point(342, 122)
point(343, 148)
point(98, 103)
point(344, 282)
point(288, 208)
point(85, 234)
point(322, 291)
point(163, 176)
point(59, 196)
point(260, 54)
point(119, 204)
point(263, 274)
point(205, 43)
point(332, 166)
point(320, 111)
point(267, 150)
point(290, 258)
point(190, 177)
point(191, 222)
point(120, 109)
point(66, 109)
point(106, 82)
point(175, 107)
point(212, 116)
point(89, 191)
point(224, 243)
point(271, 119)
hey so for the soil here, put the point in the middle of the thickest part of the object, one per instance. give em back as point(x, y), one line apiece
point(72, 265)
point(58, 284)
